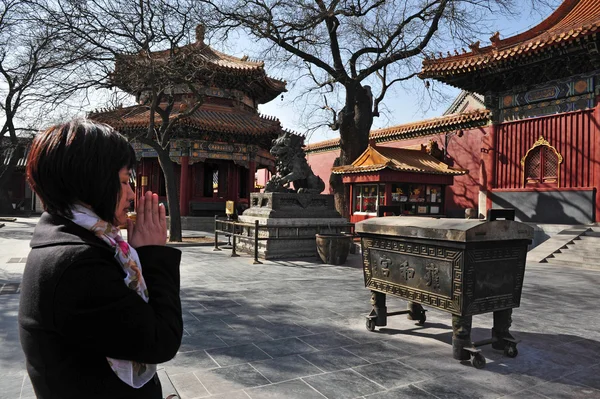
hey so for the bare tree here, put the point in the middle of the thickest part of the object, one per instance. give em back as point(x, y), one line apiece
point(142, 47)
point(36, 75)
point(354, 50)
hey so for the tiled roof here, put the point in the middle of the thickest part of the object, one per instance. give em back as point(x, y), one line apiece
point(209, 117)
point(420, 128)
point(401, 159)
point(573, 20)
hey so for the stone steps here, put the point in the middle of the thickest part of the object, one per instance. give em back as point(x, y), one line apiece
point(582, 252)
point(575, 257)
point(575, 264)
point(591, 252)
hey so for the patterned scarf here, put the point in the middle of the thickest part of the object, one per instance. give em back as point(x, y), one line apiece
point(132, 373)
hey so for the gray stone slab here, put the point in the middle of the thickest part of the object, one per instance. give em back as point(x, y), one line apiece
point(11, 386)
point(286, 368)
point(277, 331)
point(242, 336)
point(334, 359)
point(188, 386)
point(231, 378)
point(525, 395)
point(345, 384)
point(435, 363)
point(184, 362)
point(294, 389)
point(589, 377)
point(231, 395)
point(237, 354)
point(391, 374)
point(285, 347)
point(566, 388)
point(27, 391)
point(455, 387)
point(377, 351)
point(499, 379)
point(327, 340)
point(201, 341)
point(407, 392)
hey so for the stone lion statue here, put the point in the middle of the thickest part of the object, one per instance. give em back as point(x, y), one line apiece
point(292, 167)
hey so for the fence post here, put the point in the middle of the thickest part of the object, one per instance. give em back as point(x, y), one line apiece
point(233, 253)
point(256, 261)
point(216, 248)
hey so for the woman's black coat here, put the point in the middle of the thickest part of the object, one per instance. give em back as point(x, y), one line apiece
point(75, 311)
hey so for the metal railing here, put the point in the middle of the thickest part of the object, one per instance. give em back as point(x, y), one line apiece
point(236, 229)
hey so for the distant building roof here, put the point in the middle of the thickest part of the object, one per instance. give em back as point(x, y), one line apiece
point(570, 23)
point(220, 68)
point(376, 158)
point(425, 127)
point(464, 102)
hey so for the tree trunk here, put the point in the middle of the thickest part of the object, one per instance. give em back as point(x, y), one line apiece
point(172, 195)
point(355, 121)
point(5, 175)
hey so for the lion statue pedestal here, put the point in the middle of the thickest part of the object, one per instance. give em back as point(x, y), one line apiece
point(297, 216)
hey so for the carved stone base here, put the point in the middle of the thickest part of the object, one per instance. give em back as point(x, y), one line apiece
point(287, 238)
point(291, 205)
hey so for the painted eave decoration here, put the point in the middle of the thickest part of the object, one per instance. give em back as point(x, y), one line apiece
point(571, 22)
point(400, 159)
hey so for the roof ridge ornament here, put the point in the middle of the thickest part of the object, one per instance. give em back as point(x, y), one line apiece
point(495, 39)
point(475, 47)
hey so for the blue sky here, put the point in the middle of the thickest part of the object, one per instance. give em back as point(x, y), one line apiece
point(403, 105)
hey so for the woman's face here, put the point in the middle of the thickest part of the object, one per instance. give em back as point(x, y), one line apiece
point(125, 197)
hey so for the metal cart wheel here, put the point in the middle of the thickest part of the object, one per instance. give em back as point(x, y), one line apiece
point(371, 325)
point(478, 361)
point(510, 350)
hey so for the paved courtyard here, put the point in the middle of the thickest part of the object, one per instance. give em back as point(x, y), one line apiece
point(296, 329)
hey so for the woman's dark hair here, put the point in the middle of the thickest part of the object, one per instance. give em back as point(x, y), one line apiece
point(79, 161)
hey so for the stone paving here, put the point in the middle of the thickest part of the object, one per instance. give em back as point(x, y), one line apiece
point(296, 329)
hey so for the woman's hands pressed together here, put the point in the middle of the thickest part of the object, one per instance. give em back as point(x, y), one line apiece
point(150, 227)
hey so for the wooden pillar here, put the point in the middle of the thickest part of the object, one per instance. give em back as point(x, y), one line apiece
point(388, 194)
point(489, 159)
point(184, 183)
point(251, 173)
point(143, 183)
point(596, 159)
point(351, 201)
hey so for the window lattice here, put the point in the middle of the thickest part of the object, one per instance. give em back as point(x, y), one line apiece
point(550, 164)
point(541, 165)
point(533, 166)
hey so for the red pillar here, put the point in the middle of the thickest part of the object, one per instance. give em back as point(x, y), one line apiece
point(388, 194)
point(251, 175)
point(489, 166)
point(596, 159)
point(184, 185)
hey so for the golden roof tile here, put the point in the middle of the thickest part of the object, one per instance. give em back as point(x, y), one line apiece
point(209, 117)
point(377, 158)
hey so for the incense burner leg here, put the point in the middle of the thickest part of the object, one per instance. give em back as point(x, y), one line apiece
point(461, 336)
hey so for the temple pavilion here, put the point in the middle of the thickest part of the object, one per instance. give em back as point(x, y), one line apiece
point(217, 148)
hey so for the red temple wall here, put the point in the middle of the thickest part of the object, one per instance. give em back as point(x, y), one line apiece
point(573, 134)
